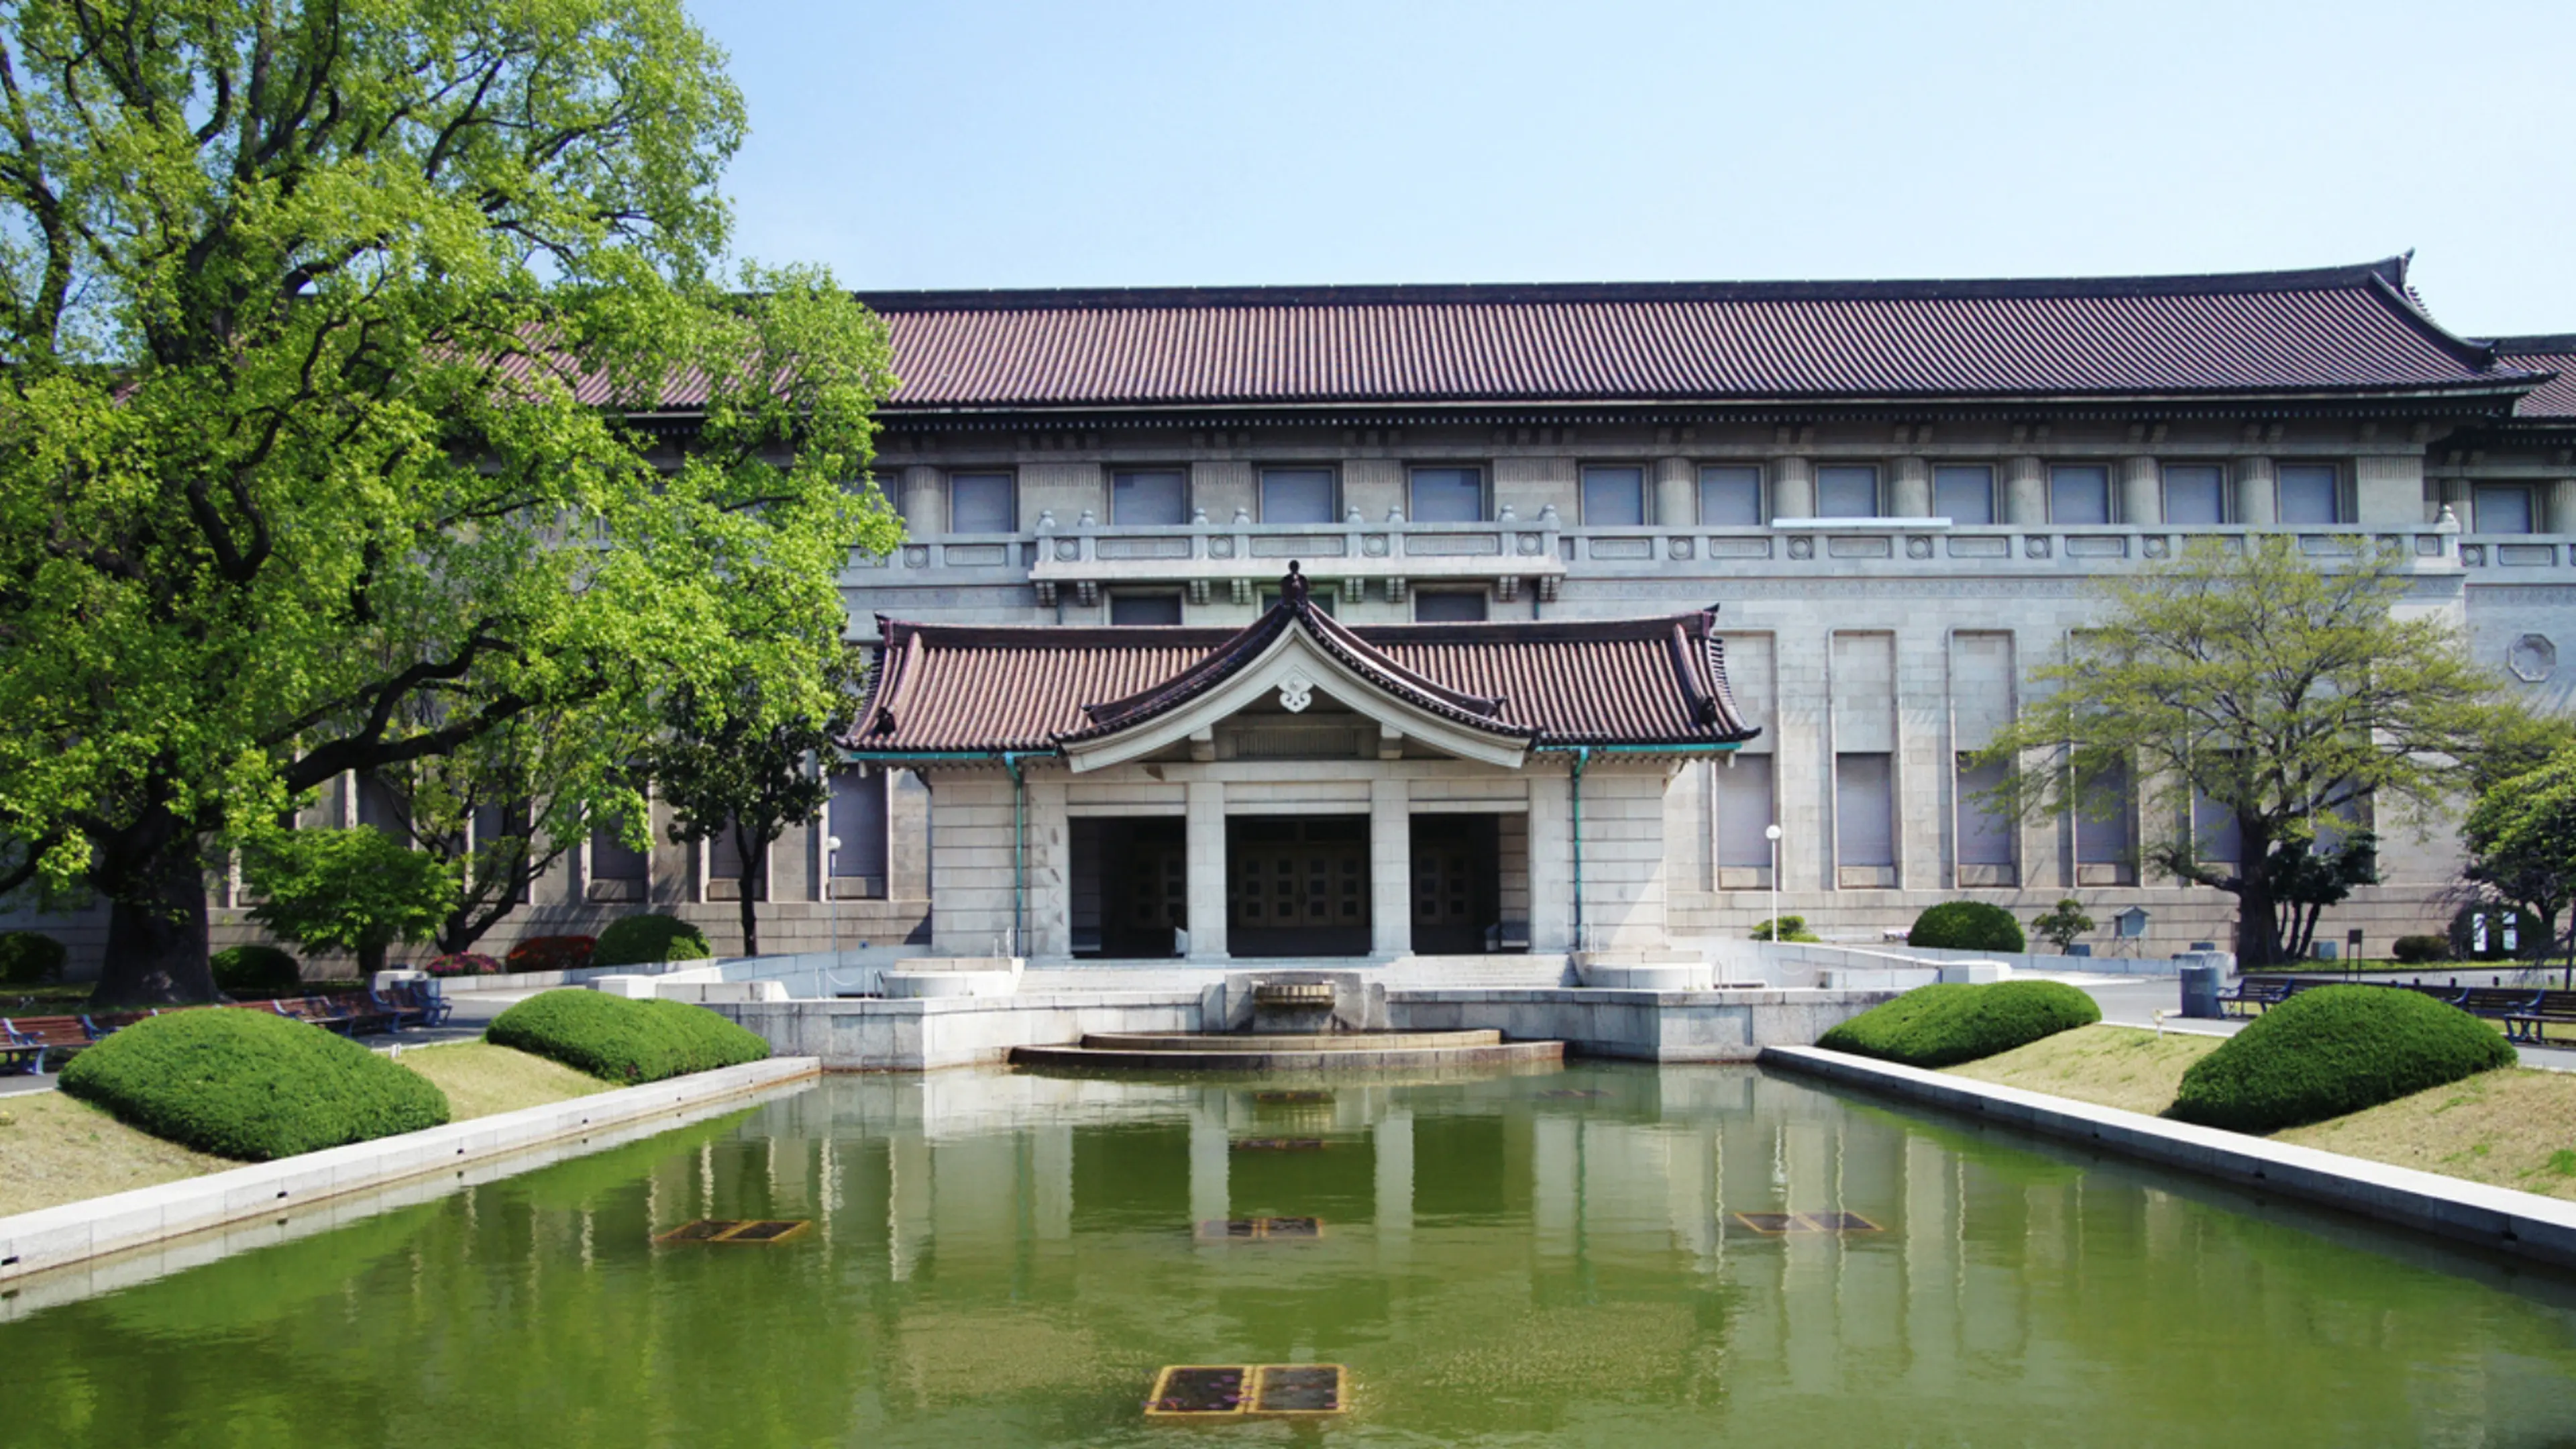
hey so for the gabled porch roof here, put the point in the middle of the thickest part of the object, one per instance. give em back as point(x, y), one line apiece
point(1494, 689)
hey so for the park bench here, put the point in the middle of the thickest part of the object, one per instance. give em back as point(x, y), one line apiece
point(347, 1014)
point(2549, 1008)
point(2496, 1003)
point(2261, 993)
point(33, 1037)
point(409, 1003)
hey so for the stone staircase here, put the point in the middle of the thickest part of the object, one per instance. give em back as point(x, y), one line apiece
point(1408, 973)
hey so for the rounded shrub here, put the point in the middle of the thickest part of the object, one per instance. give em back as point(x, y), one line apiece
point(1942, 1026)
point(621, 1040)
point(250, 1085)
point(2417, 950)
point(551, 953)
point(2331, 1051)
point(30, 958)
point(649, 939)
point(1967, 926)
point(254, 970)
point(463, 963)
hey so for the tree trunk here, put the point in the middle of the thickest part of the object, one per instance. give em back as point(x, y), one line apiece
point(755, 861)
point(156, 920)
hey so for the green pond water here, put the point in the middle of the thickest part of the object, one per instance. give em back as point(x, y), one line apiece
point(1001, 1258)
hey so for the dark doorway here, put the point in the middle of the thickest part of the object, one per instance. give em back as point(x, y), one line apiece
point(1457, 884)
point(1297, 887)
point(1131, 887)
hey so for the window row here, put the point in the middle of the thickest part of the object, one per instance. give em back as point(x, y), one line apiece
point(1730, 495)
point(1150, 607)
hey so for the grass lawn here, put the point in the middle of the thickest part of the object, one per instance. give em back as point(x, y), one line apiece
point(60, 1150)
point(2510, 1128)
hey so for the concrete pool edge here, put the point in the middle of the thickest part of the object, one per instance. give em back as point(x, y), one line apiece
point(2519, 1224)
point(56, 1237)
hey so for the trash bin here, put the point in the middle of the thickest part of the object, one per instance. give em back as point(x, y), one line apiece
point(2200, 991)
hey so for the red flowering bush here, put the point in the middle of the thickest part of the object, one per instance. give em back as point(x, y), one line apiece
point(463, 963)
point(552, 953)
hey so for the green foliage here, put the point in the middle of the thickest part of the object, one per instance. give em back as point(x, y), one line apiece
point(620, 1040)
point(30, 958)
point(263, 969)
point(2530, 937)
point(2416, 950)
point(357, 890)
point(2331, 1051)
point(1785, 928)
point(251, 1085)
point(644, 940)
point(1967, 926)
point(2521, 839)
point(2283, 692)
point(2064, 925)
point(288, 298)
point(1942, 1026)
point(736, 764)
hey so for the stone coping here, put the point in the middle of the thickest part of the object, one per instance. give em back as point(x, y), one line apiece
point(57, 1236)
point(2520, 1224)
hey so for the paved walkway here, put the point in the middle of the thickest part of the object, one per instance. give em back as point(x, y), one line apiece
point(2135, 1000)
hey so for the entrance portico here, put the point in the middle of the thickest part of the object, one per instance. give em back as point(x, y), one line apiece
point(1298, 787)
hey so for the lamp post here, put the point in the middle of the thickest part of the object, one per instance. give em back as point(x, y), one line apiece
point(1771, 832)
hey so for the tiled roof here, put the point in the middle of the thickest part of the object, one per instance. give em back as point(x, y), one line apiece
point(2556, 398)
point(985, 688)
point(2335, 331)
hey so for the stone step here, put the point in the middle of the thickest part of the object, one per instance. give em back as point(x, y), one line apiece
point(1255, 1042)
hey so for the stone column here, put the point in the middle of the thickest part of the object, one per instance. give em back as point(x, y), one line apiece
point(1910, 491)
point(2257, 494)
point(1676, 505)
point(924, 502)
point(2562, 507)
point(1050, 877)
point(1206, 869)
point(2142, 494)
point(2025, 493)
point(1793, 487)
point(1390, 868)
point(1551, 877)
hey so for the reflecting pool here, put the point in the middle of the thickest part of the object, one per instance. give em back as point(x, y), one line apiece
point(1000, 1258)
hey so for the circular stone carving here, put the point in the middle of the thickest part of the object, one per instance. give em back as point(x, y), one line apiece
point(1528, 543)
point(1918, 548)
point(2532, 658)
point(2157, 548)
point(1374, 546)
point(2035, 547)
point(916, 557)
point(1220, 548)
point(2473, 554)
point(1682, 548)
point(1067, 549)
point(1802, 548)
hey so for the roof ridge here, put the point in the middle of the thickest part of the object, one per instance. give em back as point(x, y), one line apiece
point(2529, 343)
point(2390, 271)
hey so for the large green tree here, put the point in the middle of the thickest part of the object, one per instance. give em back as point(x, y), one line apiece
point(299, 473)
point(2521, 836)
point(2295, 696)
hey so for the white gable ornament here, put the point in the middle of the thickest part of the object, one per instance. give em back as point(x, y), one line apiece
point(1296, 692)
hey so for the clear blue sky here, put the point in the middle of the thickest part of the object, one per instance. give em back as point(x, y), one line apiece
point(960, 144)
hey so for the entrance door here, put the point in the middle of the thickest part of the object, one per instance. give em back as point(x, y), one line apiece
point(1456, 883)
point(1297, 887)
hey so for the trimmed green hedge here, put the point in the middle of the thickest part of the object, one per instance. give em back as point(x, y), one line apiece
point(619, 1040)
point(2331, 1051)
point(1942, 1026)
point(255, 968)
point(250, 1084)
point(1967, 926)
point(30, 958)
point(645, 940)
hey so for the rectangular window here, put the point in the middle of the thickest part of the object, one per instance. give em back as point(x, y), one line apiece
point(1864, 811)
point(859, 819)
point(2214, 836)
point(982, 503)
point(2079, 494)
point(2104, 830)
point(1449, 606)
point(1846, 490)
point(379, 807)
point(1128, 609)
point(1447, 495)
point(2502, 508)
point(1730, 496)
point(1614, 497)
point(1156, 498)
point(1986, 833)
point(2195, 495)
point(2310, 493)
point(724, 855)
point(610, 856)
point(1744, 812)
point(1964, 494)
point(1297, 495)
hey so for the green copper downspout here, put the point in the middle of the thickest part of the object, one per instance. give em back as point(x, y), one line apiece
point(1009, 760)
point(1583, 756)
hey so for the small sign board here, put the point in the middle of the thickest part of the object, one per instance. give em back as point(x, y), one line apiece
point(1201, 1392)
